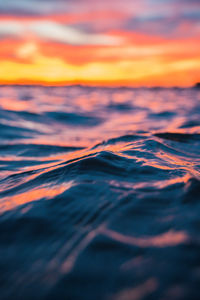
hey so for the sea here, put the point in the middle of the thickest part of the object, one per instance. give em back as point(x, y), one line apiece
point(99, 193)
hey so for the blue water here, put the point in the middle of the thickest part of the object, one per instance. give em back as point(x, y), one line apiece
point(100, 193)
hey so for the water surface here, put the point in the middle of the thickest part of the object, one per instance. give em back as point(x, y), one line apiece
point(99, 193)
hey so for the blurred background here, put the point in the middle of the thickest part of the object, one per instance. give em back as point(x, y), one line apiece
point(115, 42)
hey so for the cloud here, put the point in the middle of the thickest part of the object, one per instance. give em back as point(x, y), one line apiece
point(65, 34)
point(168, 18)
point(31, 7)
point(45, 7)
point(10, 28)
point(51, 31)
point(91, 19)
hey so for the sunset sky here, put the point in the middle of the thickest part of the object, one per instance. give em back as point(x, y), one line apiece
point(105, 42)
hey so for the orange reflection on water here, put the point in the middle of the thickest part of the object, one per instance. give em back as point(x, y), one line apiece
point(167, 239)
point(138, 292)
point(46, 193)
point(15, 104)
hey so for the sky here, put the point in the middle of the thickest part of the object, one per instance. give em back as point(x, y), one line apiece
point(105, 42)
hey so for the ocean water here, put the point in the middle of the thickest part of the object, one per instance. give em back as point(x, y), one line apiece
point(99, 193)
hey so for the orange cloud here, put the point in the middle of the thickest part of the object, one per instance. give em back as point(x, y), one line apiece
point(140, 59)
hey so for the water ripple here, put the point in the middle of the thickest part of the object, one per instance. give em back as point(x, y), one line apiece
point(99, 193)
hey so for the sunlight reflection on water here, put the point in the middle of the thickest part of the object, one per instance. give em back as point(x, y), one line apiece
point(99, 193)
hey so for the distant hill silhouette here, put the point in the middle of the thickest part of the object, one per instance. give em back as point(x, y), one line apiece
point(197, 85)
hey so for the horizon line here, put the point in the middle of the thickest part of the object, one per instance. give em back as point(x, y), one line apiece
point(94, 84)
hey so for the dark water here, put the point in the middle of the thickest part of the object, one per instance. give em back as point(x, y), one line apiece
point(100, 193)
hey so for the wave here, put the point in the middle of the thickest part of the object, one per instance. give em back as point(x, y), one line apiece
point(99, 194)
